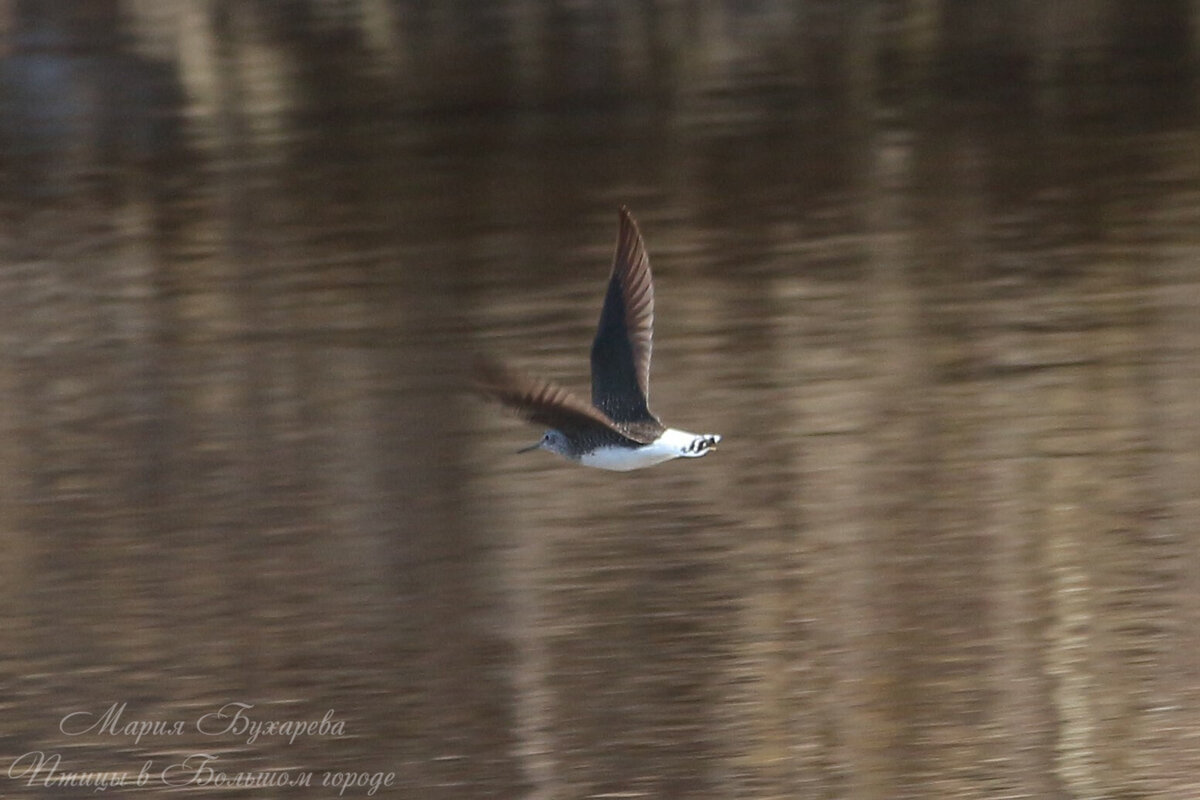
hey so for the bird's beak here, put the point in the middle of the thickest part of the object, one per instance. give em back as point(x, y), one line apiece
point(533, 446)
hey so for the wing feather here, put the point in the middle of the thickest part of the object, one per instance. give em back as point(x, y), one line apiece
point(624, 337)
point(544, 403)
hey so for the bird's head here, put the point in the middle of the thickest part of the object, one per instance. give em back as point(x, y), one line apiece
point(552, 440)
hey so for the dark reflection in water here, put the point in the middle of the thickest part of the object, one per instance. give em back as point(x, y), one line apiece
point(947, 547)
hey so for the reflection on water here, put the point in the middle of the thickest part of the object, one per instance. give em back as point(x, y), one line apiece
point(947, 547)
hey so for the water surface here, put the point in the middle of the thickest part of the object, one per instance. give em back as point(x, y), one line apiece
point(947, 547)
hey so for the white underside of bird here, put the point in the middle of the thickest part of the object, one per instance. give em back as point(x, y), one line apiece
point(672, 443)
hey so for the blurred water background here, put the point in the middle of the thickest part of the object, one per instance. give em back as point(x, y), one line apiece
point(932, 268)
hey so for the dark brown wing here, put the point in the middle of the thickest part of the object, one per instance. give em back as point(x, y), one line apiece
point(621, 349)
point(544, 403)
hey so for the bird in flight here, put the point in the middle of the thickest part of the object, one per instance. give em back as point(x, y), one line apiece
point(617, 430)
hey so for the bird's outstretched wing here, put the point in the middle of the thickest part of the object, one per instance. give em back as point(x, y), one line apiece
point(621, 349)
point(544, 403)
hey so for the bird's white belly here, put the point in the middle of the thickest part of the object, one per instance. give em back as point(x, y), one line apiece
point(669, 445)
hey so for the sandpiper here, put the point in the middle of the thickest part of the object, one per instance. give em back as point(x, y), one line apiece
point(616, 431)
